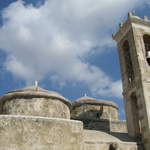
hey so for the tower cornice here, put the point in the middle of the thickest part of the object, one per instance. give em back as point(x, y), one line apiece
point(127, 25)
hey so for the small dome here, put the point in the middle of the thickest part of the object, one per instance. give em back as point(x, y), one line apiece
point(85, 98)
point(91, 100)
point(89, 108)
point(37, 89)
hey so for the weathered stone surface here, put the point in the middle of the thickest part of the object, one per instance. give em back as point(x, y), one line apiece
point(102, 128)
point(88, 111)
point(105, 125)
point(39, 133)
point(97, 140)
point(106, 146)
point(44, 107)
point(91, 108)
point(35, 101)
point(118, 126)
point(133, 40)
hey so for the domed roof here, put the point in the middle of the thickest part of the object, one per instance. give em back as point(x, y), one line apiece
point(85, 98)
point(37, 90)
point(93, 101)
point(34, 91)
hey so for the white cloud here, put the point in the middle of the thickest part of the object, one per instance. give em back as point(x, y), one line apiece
point(54, 38)
point(147, 2)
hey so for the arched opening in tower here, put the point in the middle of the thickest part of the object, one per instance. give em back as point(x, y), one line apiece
point(128, 62)
point(147, 47)
point(136, 118)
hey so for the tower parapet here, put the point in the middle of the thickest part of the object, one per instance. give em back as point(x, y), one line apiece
point(132, 20)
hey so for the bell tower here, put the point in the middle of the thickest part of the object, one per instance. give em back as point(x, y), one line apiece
point(133, 41)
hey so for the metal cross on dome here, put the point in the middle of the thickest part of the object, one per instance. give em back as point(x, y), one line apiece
point(36, 83)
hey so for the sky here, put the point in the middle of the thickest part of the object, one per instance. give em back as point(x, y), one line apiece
point(65, 45)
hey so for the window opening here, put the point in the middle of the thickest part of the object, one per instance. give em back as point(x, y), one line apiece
point(128, 62)
point(135, 113)
point(147, 47)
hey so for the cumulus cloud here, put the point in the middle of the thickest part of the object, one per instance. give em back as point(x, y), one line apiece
point(54, 38)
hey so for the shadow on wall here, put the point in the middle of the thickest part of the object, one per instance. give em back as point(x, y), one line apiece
point(91, 114)
point(93, 120)
point(97, 124)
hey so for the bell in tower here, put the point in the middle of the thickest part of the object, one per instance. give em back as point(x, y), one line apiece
point(133, 41)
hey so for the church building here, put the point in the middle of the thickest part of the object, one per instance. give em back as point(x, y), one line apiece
point(33, 118)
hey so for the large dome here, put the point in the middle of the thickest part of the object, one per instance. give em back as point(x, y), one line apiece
point(35, 101)
point(35, 91)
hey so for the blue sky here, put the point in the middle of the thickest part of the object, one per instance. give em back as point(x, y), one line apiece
point(65, 45)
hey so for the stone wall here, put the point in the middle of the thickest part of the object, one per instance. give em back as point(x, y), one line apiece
point(39, 133)
point(44, 107)
point(89, 111)
point(43, 133)
point(106, 146)
point(135, 75)
point(118, 126)
point(97, 140)
point(105, 125)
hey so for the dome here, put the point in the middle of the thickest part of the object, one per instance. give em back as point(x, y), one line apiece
point(34, 91)
point(35, 101)
point(91, 100)
point(89, 108)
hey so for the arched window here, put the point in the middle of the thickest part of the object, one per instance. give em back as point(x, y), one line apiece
point(128, 62)
point(147, 47)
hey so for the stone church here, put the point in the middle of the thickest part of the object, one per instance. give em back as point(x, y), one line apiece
point(33, 118)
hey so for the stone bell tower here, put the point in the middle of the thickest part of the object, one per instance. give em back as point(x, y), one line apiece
point(133, 40)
